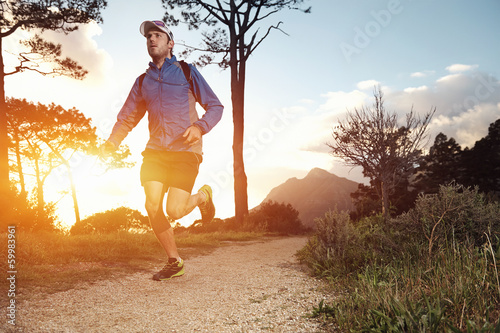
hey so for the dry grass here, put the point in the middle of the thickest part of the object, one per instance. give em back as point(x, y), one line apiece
point(52, 262)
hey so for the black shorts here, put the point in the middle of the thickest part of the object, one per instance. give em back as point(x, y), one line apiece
point(173, 169)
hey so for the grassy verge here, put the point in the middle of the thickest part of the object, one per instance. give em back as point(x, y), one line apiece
point(458, 292)
point(51, 262)
point(433, 269)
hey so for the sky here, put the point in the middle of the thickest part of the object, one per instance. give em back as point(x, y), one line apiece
point(299, 84)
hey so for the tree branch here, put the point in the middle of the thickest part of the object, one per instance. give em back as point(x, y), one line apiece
point(264, 37)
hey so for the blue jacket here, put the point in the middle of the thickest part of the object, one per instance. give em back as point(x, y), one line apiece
point(170, 103)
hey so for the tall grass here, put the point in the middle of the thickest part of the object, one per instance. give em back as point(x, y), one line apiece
point(394, 278)
point(458, 290)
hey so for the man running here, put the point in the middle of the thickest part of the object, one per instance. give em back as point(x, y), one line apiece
point(168, 92)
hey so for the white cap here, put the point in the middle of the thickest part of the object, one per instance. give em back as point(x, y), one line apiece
point(148, 25)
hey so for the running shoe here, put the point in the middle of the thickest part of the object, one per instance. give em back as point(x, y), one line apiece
point(173, 268)
point(207, 208)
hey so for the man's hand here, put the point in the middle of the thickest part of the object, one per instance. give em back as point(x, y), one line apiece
point(107, 148)
point(192, 135)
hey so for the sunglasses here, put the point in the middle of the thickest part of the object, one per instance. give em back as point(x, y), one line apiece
point(159, 23)
point(162, 25)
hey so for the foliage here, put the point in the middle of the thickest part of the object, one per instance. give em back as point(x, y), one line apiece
point(277, 217)
point(374, 140)
point(477, 166)
point(323, 311)
point(270, 217)
point(341, 246)
point(44, 137)
point(455, 214)
point(60, 16)
point(388, 280)
point(114, 220)
point(334, 248)
point(238, 19)
point(480, 166)
point(366, 201)
point(440, 166)
point(27, 217)
point(445, 163)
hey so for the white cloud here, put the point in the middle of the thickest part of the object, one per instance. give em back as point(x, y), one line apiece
point(78, 45)
point(339, 101)
point(450, 77)
point(422, 74)
point(81, 47)
point(307, 101)
point(467, 127)
point(368, 85)
point(466, 104)
point(459, 68)
point(413, 89)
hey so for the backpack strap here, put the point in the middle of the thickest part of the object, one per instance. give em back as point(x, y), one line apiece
point(182, 65)
point(141, 79)
point(187, 72)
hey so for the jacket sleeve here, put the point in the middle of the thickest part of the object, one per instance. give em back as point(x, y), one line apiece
point(208, 101)
point(129, 116)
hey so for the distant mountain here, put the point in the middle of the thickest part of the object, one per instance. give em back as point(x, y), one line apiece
point(315, 194)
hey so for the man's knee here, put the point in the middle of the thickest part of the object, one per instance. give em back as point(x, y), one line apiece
point(152, 207)
point(175, 213)
point(159, 222)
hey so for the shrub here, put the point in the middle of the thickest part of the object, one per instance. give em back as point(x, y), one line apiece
point(454, 215)
point(27, 216)
point(334, 248)
point(385, 284)
point(276, 217)
point(119, 219)
point(340, 246)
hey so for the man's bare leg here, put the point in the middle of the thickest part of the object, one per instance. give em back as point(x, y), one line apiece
point(154, 206)
point(180, 202)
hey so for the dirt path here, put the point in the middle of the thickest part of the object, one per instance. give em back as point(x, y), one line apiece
point(244, 287)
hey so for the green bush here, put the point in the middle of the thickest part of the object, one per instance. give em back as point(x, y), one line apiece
point(454, 215)
point(334, 249)
point(270, 217)
point(433, 269)
point(341, 246)
point(276, 217)
point(119, 219)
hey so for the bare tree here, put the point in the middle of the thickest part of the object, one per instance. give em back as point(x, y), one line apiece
point(375, 140)
point(56, 15)
point(233, 44)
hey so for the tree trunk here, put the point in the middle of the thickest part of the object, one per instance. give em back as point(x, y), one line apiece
point(5, 193)
point(20, 167)
point(385, 201)
point(237, 64)
point(73, 192)
point(240, 178)
point(39, 191)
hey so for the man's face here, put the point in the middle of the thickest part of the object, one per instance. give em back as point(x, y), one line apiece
point(159, 45)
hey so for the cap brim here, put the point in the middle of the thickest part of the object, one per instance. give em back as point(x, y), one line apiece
point(148, 25)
